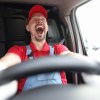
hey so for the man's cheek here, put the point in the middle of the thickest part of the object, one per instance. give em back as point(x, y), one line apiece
point(33, 28)
point(46, 28)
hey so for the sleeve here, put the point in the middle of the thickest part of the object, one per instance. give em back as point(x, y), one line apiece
point(18, 50)
point(60, 48)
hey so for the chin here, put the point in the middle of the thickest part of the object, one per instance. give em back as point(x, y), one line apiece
point(40, 40)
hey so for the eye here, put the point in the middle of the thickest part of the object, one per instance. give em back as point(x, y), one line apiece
point(35, 18)
point(43, 19)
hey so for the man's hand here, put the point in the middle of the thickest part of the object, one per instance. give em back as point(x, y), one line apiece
point(9, 89)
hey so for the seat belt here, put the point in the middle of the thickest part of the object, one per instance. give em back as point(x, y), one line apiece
point(41, 79)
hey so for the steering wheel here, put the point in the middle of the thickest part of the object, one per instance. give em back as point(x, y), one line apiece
point(52, 64)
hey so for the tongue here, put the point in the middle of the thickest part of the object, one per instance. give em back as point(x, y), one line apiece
point(39, 30)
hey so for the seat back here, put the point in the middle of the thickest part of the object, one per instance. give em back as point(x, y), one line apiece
point(16, 33)
point(2, 37)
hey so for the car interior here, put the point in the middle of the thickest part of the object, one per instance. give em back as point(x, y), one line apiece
point(13, 18)
point(13, 28)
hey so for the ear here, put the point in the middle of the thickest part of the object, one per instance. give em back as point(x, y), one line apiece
point(27, 28)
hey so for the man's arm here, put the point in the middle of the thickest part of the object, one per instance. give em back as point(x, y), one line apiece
point(10, 59)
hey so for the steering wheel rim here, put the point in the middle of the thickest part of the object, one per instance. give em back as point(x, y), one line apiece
point(56, 63)
point(60, 92)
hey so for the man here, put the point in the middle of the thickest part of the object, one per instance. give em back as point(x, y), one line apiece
point(38, 27)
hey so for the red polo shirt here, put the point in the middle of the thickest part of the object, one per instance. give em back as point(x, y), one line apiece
point(21, 52)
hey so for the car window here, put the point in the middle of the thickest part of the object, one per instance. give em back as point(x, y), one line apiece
point(88, 17)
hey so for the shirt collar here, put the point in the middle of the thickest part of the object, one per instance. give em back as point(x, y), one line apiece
point(45, 47)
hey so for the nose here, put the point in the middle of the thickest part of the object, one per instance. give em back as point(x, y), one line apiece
point(39, 21)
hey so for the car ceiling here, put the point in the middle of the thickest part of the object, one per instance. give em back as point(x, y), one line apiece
point(64, 6)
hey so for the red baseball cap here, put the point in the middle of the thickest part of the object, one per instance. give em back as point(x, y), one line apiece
point(37, 9)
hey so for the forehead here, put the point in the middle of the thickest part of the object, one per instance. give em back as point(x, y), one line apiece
point(38, 15)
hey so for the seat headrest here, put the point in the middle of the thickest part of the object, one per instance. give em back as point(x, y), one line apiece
point(16, 28)
point(53, 35)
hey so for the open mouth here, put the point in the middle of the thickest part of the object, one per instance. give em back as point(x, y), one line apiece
point(39, 29)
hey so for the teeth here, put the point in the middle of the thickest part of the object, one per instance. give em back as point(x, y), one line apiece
point(39, 27)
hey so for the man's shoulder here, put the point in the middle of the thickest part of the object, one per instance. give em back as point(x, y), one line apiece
point(59, 48)
point(17, 48)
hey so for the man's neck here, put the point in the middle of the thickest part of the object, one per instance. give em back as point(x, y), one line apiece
point(39, 45)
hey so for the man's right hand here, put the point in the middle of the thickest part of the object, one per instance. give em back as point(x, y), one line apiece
point(9, 89)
